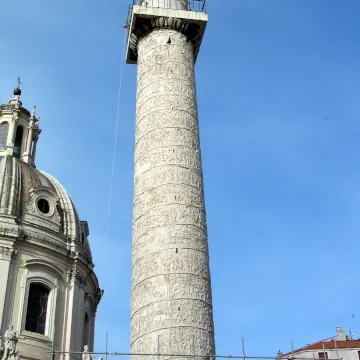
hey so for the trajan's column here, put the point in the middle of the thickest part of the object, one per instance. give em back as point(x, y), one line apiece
point(171, 308)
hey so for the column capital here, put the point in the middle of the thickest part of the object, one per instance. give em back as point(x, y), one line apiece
point(6, 253)
point(75, 276)
point(31, 124)
point(144, 19)
point(15, 116)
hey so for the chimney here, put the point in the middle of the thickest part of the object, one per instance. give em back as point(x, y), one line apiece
point(340, 334)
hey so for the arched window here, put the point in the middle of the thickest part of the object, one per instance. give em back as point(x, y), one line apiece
point(37, 308)
point(86, 329)
point(4, 129)
point(18, 140)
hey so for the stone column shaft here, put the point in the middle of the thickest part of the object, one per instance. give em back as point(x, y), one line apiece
point(11, 135)
point(29, 139)
point(34, 150)
point(171, 288)
point(26, 156)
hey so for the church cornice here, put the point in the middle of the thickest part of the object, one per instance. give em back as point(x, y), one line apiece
point(9, 108)
point(26, 233)
point(44, 240)
point(9, 230)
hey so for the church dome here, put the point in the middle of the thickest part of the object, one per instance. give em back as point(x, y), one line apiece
point(38, 199)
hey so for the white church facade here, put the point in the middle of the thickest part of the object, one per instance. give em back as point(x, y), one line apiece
point(49, 292)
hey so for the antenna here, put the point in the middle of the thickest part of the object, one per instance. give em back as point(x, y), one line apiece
point(353, 330)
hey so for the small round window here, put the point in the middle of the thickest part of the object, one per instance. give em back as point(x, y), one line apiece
point(43, 206)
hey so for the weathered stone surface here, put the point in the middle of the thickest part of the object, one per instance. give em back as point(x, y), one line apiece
point(171, 287)
point(177, 339)
point(169, 237)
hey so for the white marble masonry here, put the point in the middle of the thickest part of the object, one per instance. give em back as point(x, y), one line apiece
point(171, 287)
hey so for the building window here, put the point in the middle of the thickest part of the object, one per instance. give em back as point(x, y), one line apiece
point(44, 206)
point(323, 355)
point(4, 129)
point(37, 308)
point(18, 141)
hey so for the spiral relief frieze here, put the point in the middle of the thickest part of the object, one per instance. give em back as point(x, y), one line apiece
point(169, 237)
point(171, 286)
point(167, 175)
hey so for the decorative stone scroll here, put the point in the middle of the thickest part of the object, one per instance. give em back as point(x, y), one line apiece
point(171, 286)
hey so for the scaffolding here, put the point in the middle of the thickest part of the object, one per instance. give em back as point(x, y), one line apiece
point(193, 355)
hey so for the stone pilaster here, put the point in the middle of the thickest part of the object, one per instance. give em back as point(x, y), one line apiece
point(11, 134)
point(6, 254)
point(171, 288)
point(92, 331)
point(75, 312)
point(34, 150)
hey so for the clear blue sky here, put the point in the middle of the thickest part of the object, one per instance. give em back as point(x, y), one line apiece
point(278, 89)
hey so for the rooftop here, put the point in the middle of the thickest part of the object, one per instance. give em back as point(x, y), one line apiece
point(339, 341)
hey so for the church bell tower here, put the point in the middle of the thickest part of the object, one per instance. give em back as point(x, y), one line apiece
point(19, 130)
point(171, 310)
